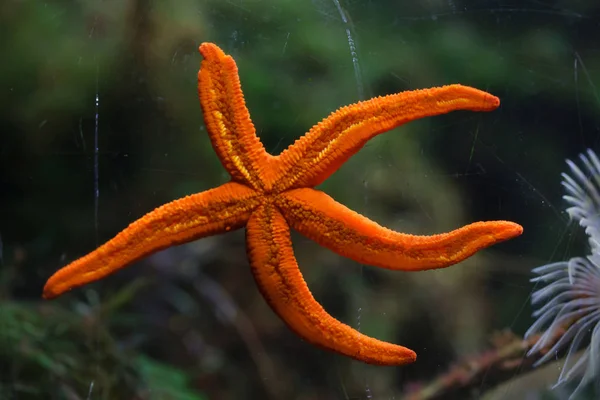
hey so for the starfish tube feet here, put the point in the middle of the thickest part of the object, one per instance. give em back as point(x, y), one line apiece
point(320, 218)
point(218, 210)
point(278, 277)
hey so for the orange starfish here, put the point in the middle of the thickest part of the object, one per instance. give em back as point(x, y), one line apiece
point(271, 194)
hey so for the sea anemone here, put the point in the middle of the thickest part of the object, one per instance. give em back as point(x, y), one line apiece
point(569, 303)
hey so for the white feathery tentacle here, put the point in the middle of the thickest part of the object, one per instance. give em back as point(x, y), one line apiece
point(583, 195)
point(568, 306)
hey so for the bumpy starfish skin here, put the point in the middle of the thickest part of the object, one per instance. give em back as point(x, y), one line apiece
point(271, 194)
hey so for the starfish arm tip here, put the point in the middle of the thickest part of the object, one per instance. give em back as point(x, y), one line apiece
point(208, 49)
point(408, 357)
point(491, 102)
point(479, 100)
point(59, 283)
point(396, 356)
point(49, 292)
point(507, 230)
point(487, 233)
point(412, 357)
point(400, 355)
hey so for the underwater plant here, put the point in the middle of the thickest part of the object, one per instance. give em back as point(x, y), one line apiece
point(569, 303)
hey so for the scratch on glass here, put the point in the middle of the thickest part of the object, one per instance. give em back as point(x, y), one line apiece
point(353, 52)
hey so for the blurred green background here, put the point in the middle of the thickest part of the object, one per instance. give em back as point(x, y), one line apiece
point(189, 323)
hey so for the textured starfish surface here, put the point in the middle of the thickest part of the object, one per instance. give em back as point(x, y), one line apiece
point(269, 195)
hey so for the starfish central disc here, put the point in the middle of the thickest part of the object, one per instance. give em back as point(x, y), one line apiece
point(269, 195)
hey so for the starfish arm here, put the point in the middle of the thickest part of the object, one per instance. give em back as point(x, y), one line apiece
point(319, 217)
point(227, 119)
point(279, 279)
point(224, 208)
point(330, 143)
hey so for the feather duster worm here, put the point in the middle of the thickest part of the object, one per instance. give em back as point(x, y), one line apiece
point(569, 303)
